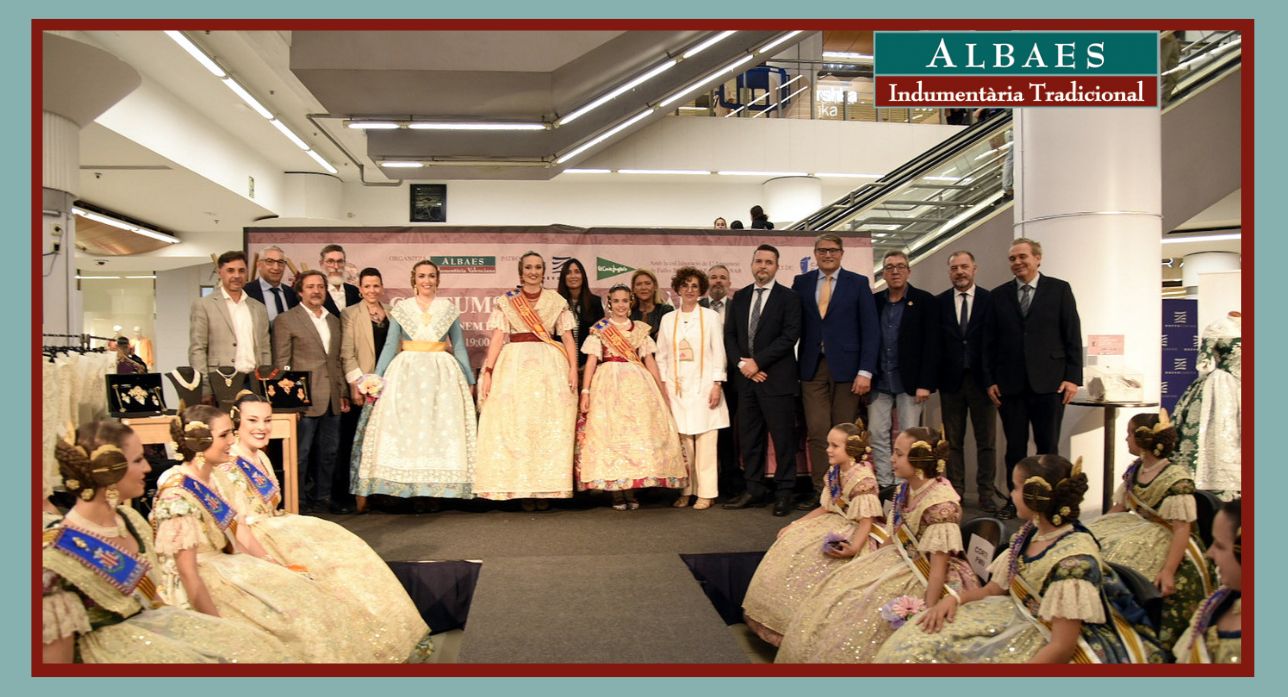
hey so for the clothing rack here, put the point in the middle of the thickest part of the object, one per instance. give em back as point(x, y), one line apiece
point(84, 339)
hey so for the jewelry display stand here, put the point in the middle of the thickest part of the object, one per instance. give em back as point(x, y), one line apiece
point(225, 383)
point(134, 394)
point(187, 384)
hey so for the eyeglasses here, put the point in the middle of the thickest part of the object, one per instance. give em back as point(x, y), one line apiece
point(827, 250)
point(274, 262)
point(891, 268)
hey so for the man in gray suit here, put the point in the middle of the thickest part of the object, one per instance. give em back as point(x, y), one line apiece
point(228, 328)
point(307, 337)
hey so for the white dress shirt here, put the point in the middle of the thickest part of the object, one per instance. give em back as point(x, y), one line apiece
point(243, 331)
point(970, 303)
point(337, 295)
point(320, 324)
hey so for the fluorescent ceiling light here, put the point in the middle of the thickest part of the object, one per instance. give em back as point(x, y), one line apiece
point(604, 136)
point(468, 126)
point(737, 173)
point(694, 108)
point(663, 171)
point(97, 278)
point(622, 89)
point(321, 161)
point(246, 97)
point(695, 85)
point(943, 179)
point(289, 134)
point(129, 227)
point(402, 164)
point(778, 41)
point(372, 125)
point(206, 61)
point(847, 175)
point(587, 171)
point(707, 44)
point(148, 276)
point(847, 55)
point(1203, 238)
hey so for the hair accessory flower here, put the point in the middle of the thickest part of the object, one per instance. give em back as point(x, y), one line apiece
point(898, 611)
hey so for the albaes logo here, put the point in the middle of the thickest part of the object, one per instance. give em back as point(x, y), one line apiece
point(465, 264)
point(605, 268)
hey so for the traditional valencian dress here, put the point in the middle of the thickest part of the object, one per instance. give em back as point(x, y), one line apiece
point(795, 565)
point(420, 439)
point(840, 621)
point(1067, 580)
point(335, 558)
point(107, 597)
point(1208, 421)
point(1202, 642)
point(526, 423)
point(1140, 537)
point(630, 439)
point(315, 625)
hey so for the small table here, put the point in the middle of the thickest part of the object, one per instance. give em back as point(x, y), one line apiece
point(1111, 419)
point(155, 430)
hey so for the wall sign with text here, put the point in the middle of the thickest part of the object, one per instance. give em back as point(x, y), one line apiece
point(1016, 69)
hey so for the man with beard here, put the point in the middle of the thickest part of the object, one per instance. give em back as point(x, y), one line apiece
point(339, 294)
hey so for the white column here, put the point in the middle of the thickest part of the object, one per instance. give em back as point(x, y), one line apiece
point(788, 199)
point(1088, 188)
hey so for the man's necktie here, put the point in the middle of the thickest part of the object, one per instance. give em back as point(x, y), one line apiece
point(755, 319)
point(962, 321)
point(825, 296)
point(1026, 297)
point(277, 299)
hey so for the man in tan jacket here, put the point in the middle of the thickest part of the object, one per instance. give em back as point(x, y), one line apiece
point(228, 330)
point(307, 337)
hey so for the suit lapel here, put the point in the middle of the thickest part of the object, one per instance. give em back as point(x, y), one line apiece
point(221, 306)
point(976, 312)
point(311, 330)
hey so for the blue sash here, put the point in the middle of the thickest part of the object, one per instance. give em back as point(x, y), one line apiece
point(264, 486)
point(118, 567)
point(217, 507)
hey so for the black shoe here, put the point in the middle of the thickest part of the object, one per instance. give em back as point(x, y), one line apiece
point(988, 506)
point(807, 504)
point(782, 506)
point(1006, 512)
point(743, 500)
point(340, 508)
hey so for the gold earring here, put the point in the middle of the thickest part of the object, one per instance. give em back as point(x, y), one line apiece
point(113, 495)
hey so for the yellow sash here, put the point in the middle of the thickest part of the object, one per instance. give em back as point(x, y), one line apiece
point(920, 565)
point(675, 351)
point(1192, 551)
point(617, 341)
point(529, 316)
point(1021, 592)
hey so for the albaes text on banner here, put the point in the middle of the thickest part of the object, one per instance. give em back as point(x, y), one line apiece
point(1015, 91)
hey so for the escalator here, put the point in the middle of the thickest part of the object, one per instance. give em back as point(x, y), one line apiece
point(956, 187)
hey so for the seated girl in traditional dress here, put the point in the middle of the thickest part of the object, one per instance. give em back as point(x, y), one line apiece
point(1150, 529)
point(1215, 632)
point(335, 558)
point(630, 440)
point(99, 599)
point(810, 548)
point(1050, 597)
point(852, 611)
point(198, 540)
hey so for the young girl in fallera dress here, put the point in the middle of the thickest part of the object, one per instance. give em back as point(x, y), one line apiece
point(335, 558)
point(809, 549)
point(842, 620)
point(631, 440)
point(1215, 632)
point(1151, 526)
point(1050, 597)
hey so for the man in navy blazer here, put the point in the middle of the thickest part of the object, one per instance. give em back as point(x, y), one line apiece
point(907, 361)
point(1033, 354)
point(838, 349)
point(268, 288)
point(761, 330)
point(963, 317)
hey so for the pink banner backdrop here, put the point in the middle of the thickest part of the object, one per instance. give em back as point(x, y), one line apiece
point(478, 264)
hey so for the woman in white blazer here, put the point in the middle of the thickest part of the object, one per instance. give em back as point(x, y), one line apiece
point(691, 358)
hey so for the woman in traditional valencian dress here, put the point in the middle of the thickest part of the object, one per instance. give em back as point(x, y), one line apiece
point(197, 537)
point(335, 558)
point(630, 438)
point(420, 440)
point(842, 620)
point(99, 599)
point(1215, 632)
point(1207, 412)
point(1050, 597)
point(827, 537)
point(691, 359)
point(528, 392)
point(1150, 529)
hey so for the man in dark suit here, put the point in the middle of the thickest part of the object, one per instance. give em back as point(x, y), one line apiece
point(308, 338)
point(730, 480)
point(963, 318)
point(761, 329)
point(339, 294)
point(1033, 354)
point(838, 351)
point(280, 297)
point(907, 359)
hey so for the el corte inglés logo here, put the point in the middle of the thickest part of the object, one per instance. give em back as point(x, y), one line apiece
point(607, 269)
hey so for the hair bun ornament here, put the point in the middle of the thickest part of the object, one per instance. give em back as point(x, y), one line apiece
point(1077, 468)
point(941, 466)
point(1164, 422)
point(1041, 483)
point(195, 425)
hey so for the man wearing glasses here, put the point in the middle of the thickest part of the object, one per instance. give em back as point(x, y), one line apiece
point(838, 348)
point(907, 361)
point(268, 288)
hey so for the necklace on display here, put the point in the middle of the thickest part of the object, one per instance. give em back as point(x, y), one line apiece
point(228, 379)
point(190, 386)
point(79, 521)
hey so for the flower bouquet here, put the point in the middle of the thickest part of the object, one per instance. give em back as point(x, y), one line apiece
point(371, 385)
point(899, 610)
